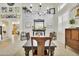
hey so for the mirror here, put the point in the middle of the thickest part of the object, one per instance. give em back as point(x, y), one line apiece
point(39, 24)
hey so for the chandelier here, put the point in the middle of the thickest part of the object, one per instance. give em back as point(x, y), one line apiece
point(40, 12)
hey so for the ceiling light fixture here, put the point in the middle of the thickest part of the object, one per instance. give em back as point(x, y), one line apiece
point(30, 5)
point(40, 5)
point(10, 4)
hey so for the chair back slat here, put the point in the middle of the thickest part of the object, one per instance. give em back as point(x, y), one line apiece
point(32, 45)
point(28, 35)
point(50, 42)
point(52, 35)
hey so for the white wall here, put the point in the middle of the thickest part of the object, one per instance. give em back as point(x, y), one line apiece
point(10, 20)
point(51, 21)
point(28, 19)
point(63, 21)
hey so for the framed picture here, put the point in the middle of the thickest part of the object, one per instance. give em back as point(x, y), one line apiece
point(28, 25)
point(51, 11)
point(17, 9)
point(10, 9)
point(4, 9)
point(49, 26)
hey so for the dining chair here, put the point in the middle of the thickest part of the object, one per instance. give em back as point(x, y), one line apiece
point(30, 42)
point(54, 36)
point(25, 36)
point(47, 43)
point(34, 43)
point(28, 35)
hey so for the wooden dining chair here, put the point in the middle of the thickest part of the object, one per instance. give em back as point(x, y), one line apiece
point(34, 43)
point(46, 52)
point(28, 35)
point(54, 36)
point(23, 36)
point(51, 35)
point(28, 38)
point(49, 42)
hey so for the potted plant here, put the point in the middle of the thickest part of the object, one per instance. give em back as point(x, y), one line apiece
point(72, 22)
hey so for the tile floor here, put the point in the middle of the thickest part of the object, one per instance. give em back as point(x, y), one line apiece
point(15, 49)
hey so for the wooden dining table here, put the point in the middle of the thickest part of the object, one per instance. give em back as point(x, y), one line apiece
point(28, 47)
point(41, 43)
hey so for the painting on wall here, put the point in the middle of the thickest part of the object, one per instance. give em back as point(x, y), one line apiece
point(10, 9)
point(17, 9)
point(28, 25)
point(10, 16)
point(77, 12)
point(4, 9)
point(49, 26)
point(51, 11)
point(15, 29)
point(10, 12)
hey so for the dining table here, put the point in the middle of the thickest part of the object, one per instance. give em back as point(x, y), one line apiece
point(28, 47)
point(41, 42)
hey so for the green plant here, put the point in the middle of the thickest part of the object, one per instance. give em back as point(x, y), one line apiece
point(72, 21)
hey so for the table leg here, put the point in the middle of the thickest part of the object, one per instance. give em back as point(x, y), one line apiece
point(27, 52)
point(44, 33)
point(40, 50)
point(33, 33)
point(52, 52)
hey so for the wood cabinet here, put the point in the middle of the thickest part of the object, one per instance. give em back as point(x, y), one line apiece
point(72, 38)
